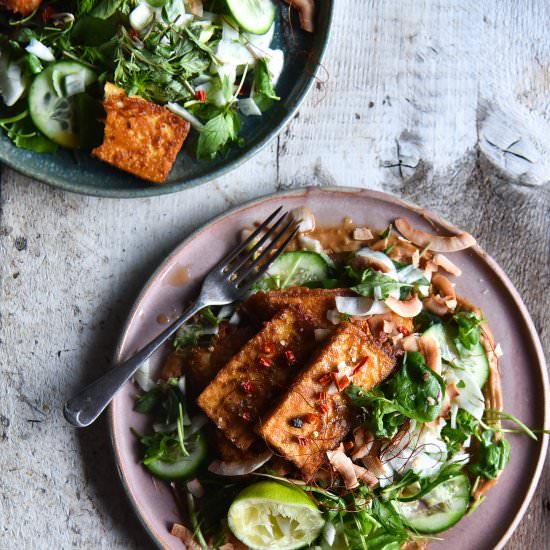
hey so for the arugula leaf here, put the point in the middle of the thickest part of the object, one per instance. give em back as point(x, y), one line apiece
point(370, 280)
point(415, 391)
point(217, 133)
point(466, 425)
point(492, 456)
point(264, 93)
point(468, 328)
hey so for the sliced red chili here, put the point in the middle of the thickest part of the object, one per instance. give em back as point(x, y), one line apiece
point(323, 407)
point(249, 387)
point(290, 357)
point(344, 382)
point(200, 95)
point(247, 416)
point(404, 331)
point(360, 366)
point(265, 362)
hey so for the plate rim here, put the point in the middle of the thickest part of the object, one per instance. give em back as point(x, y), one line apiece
point(166, 189)
point(378, 195)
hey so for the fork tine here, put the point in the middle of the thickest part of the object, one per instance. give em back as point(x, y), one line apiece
point(236, 251)
point(267, 264)
point(258, 245)
point(249, 269)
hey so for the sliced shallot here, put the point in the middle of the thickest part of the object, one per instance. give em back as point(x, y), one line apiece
point(239, 468)
point(306, 12)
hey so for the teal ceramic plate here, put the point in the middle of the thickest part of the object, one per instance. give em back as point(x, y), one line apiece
point(88, 176)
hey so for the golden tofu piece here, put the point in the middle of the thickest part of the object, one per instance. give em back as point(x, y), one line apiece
point(316, 302)
point(24, 7)
point(141, 138)
point(262, 370)
point(205, 362)
point(309, 420)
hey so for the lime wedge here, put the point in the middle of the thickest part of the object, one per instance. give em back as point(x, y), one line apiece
point(273, 515)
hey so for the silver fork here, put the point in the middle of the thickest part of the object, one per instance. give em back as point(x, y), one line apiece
point(229, 280)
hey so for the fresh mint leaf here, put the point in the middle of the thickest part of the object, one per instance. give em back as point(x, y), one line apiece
point(264, 93)
point(217, 133)
point(370, 280)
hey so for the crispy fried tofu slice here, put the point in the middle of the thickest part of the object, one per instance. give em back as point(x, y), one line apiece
point(309, 421)
point(245, 388)
point(24, 7)
point(205, 362)
point(140, 137)
point(315, 301)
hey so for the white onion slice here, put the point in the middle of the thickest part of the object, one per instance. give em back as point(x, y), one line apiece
point(248, 107)
point(40, 50)
point(143, 376)
point(359, 306)
point(239, 468)
point(186, 115)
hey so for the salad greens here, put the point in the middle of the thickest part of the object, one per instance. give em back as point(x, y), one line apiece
point(204, 67)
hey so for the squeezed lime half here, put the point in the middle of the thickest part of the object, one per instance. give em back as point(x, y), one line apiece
point(271, 515)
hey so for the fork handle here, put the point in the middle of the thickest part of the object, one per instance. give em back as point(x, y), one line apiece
point(87, 405)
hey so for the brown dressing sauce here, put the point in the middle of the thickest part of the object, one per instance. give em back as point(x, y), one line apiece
point(178, 276)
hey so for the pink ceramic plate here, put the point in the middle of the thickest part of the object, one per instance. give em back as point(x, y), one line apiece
point(483, 282)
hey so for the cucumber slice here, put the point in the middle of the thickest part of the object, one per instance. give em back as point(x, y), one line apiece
point(473, 361)
point(296, 268)
point(183, 467)
point(440, 508)
point(255, 16)
point(53, 114)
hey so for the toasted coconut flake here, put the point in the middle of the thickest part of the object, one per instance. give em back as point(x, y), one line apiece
point(468, 306)
point(305, 219)
point(436, 304)
point(410, 343)
point(436, 243)
point(362, 234)
point(389, 327)
point(344, 466)
point(306, 12)
point(405, 308)
point(432, 353)
point(443, 286)
point(444, 263)
point(374, 465)
point(368, 478)
point(195, 488)
point(185, 535)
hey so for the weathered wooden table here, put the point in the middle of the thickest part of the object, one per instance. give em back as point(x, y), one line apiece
point(443, 102)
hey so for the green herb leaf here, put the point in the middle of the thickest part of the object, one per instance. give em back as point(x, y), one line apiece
point(468, 329)
point(218, 132)
point(370, 280)
point(466, 425)
point(106, 8)
point(492, 456)
point(264, 93)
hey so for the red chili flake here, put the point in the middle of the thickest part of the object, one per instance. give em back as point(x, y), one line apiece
point(404, 331)
point(323, 407)
point(290, 357)
point(268, 348)
point(343, 383)
point(200, 95)
point(265, 362)
point(46, 14)
point(310, 418)
point(348, 445)
point(323, 395)
point(325, 379)
point(249, 387)
point(359, 366)
point(247, 416)
point(302, 441)
point(334, 376)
